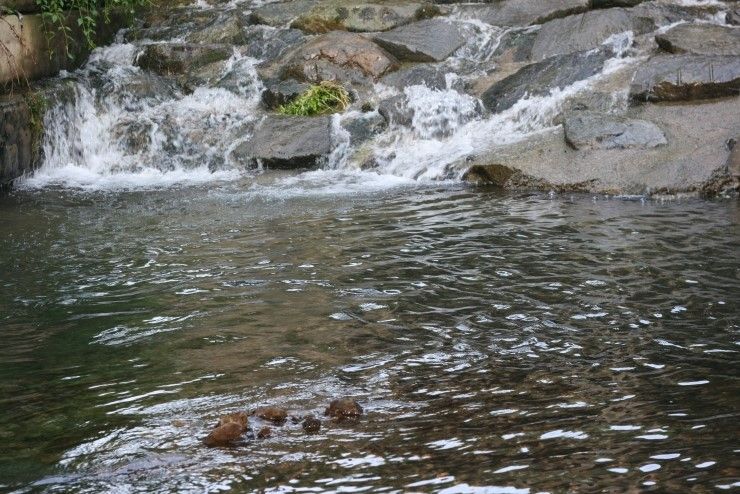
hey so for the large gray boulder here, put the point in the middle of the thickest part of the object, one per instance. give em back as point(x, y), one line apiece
point(701, 39)
point(362, 16)
point(337, 56)
point(191, 25)
point(281, 13)
point(694, 160)
point(585, 31)
point(588, 130)
point(686, 77)
point(288, 142)
point(523, 12)
point(180, 58)
point(541, 78)
point(431, 40)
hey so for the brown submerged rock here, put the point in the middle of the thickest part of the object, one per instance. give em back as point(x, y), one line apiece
point(264, 433)
point(224, 435)
point(239, 418)
point(344, 408)
point(275, 415)
point(311, 424)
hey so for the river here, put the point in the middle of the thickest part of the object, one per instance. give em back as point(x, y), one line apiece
point(499, 342)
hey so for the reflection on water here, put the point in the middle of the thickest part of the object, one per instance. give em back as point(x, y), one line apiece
point(499, 343)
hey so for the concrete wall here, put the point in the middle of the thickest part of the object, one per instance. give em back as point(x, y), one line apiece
point(27, 53)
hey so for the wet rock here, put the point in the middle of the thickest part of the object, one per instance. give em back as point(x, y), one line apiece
point(395, 110)
point(224, 435)
point(133, 136)
point(494, 174)
point(267, 44)
point(264, 433)
point(337, 56)
point(693, 158)
point(311, 425)
point(429, 75)
point(238, 418)
point(515, 46)
point(344, 408)
point(588, 130)
point(686, 77)
point(228, 29)
point(281, 13)
point(733, 17)
point(523, 12)
point(359, 16)
point(733, 162)
point(278, 93)
point(431, 40)
point(288, 142)
point(700, 39)
point(585, 31)
point(663, 14)
point(180, 58)
point(189, 24)
point(363, 126)
point(607, 4)
point(275, 415)
point(541, 78)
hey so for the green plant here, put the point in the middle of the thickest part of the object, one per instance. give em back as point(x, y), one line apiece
point(88, 13)
point(320, 99)
point(37, 108)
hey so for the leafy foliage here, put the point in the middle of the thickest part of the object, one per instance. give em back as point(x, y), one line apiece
point(321, 99)
point(89, 13)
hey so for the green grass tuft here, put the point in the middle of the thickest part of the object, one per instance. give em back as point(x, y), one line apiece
point(321, 99)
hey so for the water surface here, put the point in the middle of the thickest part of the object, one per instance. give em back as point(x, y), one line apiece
point(498, 342)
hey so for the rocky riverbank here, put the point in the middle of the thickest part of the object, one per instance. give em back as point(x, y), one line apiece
point(623, 97)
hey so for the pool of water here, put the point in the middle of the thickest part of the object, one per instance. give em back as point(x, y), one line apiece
point(499, 342)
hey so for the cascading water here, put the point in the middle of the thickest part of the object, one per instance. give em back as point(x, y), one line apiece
point(128, 128)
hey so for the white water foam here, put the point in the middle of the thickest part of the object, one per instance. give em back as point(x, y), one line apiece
point(109, 136)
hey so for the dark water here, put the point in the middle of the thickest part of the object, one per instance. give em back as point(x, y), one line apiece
point(499, 343)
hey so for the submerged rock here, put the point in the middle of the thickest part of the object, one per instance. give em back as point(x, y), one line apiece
point(523, 12)
point(224, 435)
point(541, 78)
point(239, 418)
point(359, 16)
point(344, 408)
point(288, 142)
point(275, 415)
point(311, 424)
point(700, 39)
point(431, 40)
point(264, 433)
point(588, 130)
point(686, 77)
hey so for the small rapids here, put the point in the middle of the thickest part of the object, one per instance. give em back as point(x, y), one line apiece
point(118, 127)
